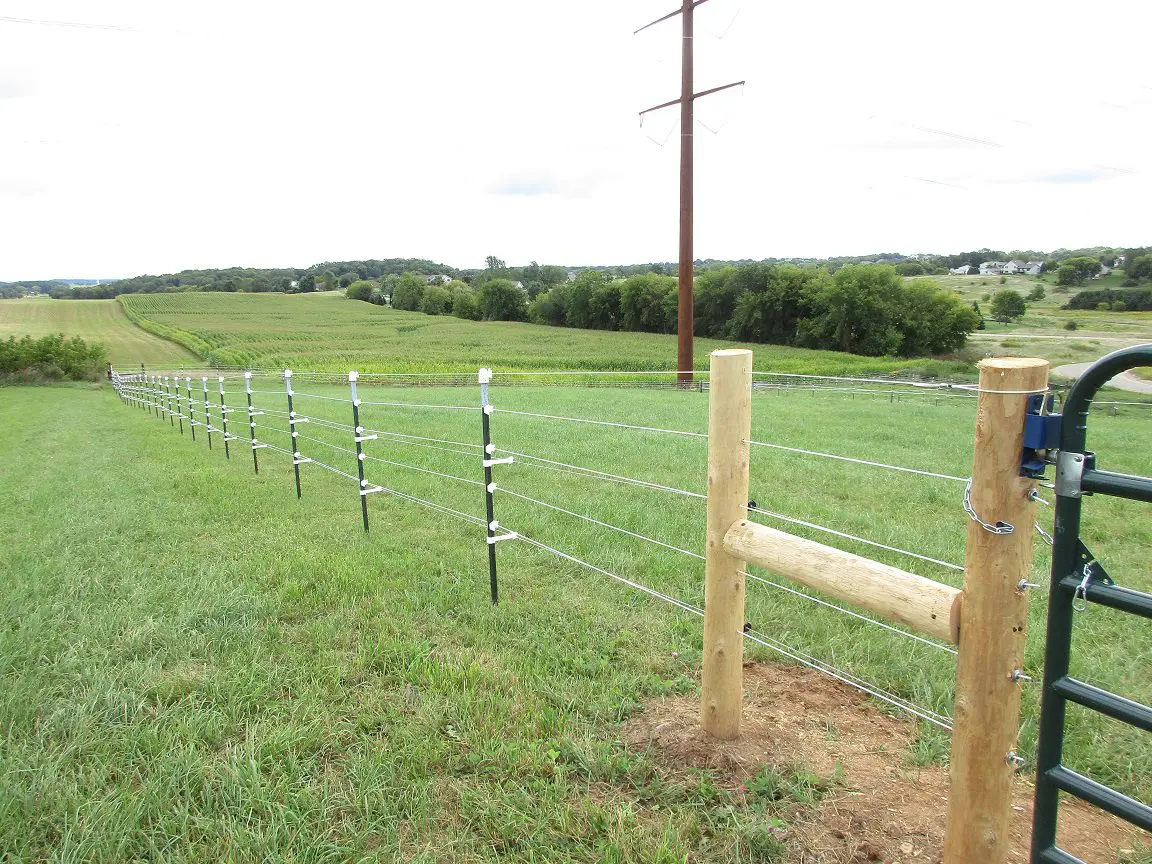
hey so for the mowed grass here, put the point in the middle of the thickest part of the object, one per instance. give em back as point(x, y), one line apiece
point(100, 321)
point(329, 332)
point(199, 666)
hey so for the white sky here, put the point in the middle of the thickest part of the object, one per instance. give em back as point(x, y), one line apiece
point(242, 133)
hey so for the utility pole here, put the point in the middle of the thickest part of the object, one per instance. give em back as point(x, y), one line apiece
point(684, 359)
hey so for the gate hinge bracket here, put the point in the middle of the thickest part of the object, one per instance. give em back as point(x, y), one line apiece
point(1070, 472)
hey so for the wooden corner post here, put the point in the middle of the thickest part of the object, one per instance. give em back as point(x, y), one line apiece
point(993, 617)
point(729, 428)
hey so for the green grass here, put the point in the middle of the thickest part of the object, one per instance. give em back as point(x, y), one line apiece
point(330, 332)
point(198, 666)
point(100, 321)
point(1041, 333)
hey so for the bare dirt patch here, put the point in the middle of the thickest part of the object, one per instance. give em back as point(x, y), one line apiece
point(882, 808)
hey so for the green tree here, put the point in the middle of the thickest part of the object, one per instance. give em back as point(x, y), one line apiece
point(644, 303)
point(552, 275)
point(771, 300)
point(437, 300)
point(935, 321)
point(910, 268)
point(714, 301)
point(578, 302)
point(307, 283)
point(346, 279)
point(327, 281)
point(1139, 268)
point(604, 306)
point(501, 300)
point(1077, 271)
point(360, 290)
point(550, 307)
point(408, 292)
point(465, 302)
point(1007, 305)
point(859, 312)
point(1037, 293)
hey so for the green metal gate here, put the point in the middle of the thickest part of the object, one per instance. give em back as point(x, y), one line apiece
point(1078, 579)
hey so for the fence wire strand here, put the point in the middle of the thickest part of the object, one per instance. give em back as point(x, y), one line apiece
point(766, 641)
point(856, 461)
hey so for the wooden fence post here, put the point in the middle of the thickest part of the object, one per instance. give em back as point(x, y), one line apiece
point(729, 427)
point(993, 618)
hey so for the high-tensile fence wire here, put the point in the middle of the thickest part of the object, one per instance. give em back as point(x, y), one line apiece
point(276, 414)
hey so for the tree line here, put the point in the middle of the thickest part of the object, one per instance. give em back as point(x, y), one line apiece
point(861, 308)
point(536, 278)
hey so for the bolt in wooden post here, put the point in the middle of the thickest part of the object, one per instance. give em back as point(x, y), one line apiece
point(993, 618)
point(729, 428)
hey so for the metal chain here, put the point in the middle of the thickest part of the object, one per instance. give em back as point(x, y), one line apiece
point(998, 528)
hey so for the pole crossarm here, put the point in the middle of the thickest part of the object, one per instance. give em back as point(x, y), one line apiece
point(664, 18)
point(695, 96)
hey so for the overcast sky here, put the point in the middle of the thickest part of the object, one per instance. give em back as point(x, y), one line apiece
point(235, 133)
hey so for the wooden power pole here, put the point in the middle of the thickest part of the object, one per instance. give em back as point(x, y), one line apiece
point(684, 359)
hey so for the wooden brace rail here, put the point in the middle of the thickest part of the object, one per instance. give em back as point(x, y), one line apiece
point(928, 607)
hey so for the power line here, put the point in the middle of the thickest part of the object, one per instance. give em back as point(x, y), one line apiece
point(81, 24)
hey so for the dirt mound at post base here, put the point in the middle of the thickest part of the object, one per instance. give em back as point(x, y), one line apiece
point(883, 808)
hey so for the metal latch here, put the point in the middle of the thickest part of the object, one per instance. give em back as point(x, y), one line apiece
point(1041, 434)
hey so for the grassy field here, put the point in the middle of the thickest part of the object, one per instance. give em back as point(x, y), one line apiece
point(199, 666)
point(100, 321)
point(1041, 332)
point(327, 331)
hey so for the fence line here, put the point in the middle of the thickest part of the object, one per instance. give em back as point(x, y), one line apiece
point(492, 455)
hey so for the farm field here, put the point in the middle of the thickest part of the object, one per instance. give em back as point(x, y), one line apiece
point(1041, 332)
point(206, 668)
point(329, 332)
point(100, 321)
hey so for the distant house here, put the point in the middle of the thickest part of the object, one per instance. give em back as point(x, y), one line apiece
point(962, 270)
point(1033, 268)
point(1104, 271)
point(437, 279)
point(571, 277)
point(992, 268)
